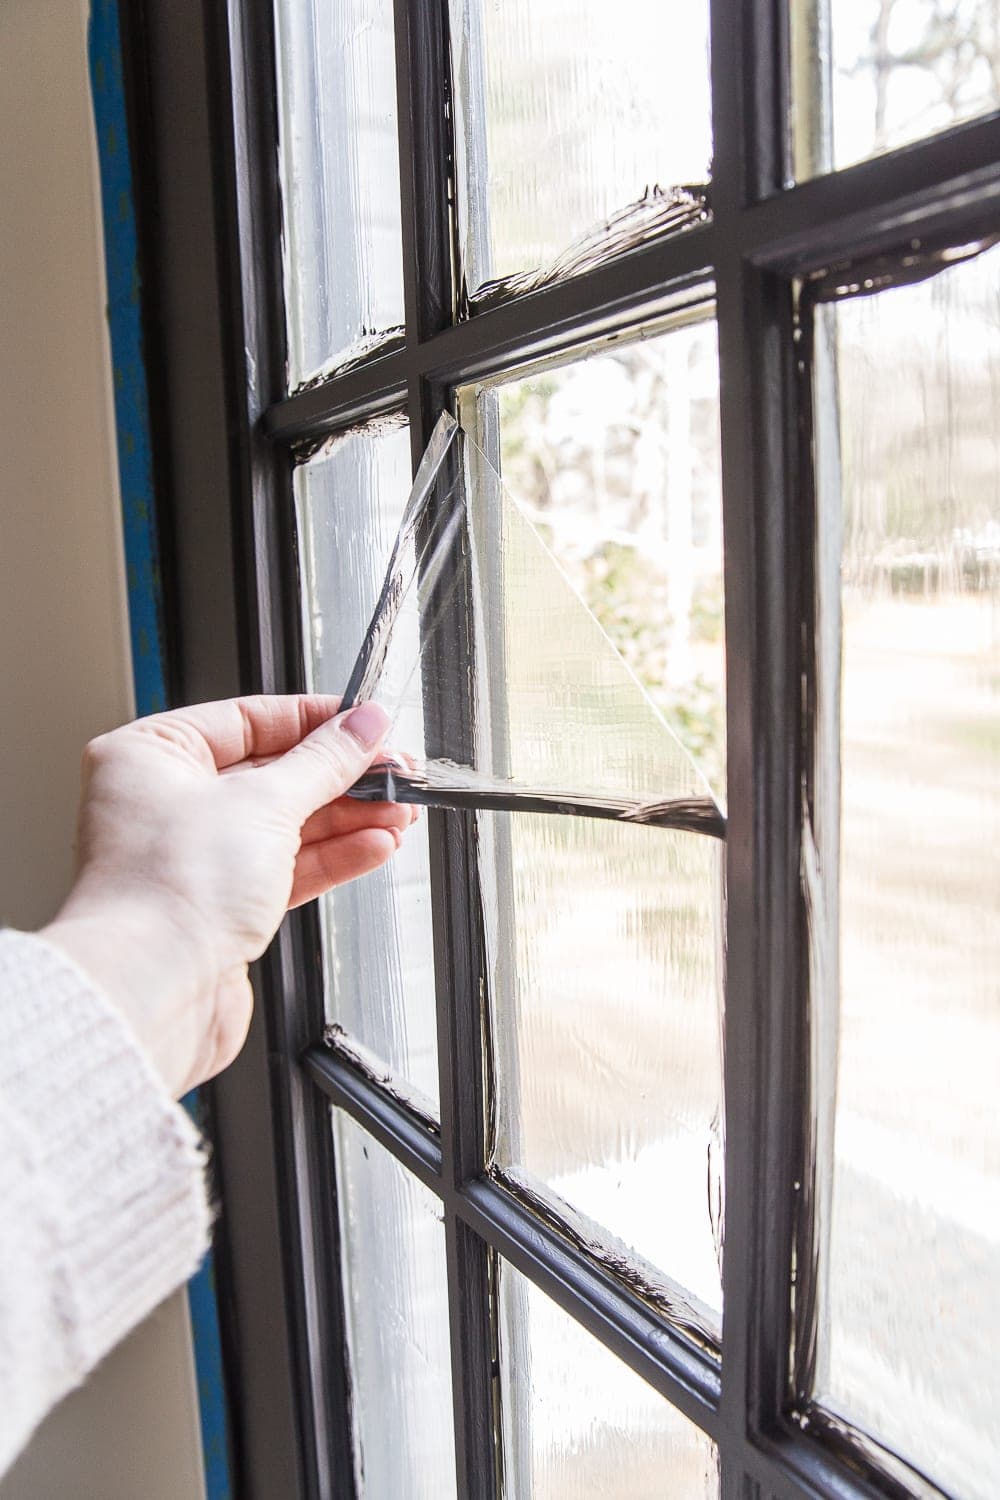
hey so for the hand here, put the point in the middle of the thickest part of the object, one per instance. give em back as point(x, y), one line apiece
point(198, 830)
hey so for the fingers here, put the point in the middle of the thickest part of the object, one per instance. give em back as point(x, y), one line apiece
point(238, 729)
point(328, 761)
point(347, 815)
point(323, 865)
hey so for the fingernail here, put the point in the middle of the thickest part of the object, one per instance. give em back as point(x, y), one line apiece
point(367, 723)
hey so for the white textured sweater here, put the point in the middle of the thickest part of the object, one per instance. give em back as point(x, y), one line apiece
point(103, 1208)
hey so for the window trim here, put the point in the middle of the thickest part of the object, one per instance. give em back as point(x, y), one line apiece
point(223, 428)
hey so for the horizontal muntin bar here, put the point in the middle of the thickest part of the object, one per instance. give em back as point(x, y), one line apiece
point(789, 1461)
point(668, 1359)
point(390, 1122)
point(687, 1376)
point(854, 210)
point(647, 282)
point(891, 1473)
point(369, 389)
point(861, 209)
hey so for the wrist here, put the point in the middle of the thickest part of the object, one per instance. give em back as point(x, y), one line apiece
point(148, 970)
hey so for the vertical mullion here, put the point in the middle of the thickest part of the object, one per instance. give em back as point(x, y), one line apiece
point(421, 32)
point(422, 84)
point(252, 295)
point(762, 1022)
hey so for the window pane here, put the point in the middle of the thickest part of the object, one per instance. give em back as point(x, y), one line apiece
point(567, 112)
point(911, 1322)
point(396, 1299)
point(339, 164)
point(378, 948)
point(607, 938)
point(607, 1012)
point(578, 1423)
point(616, 459)
point(871, 75)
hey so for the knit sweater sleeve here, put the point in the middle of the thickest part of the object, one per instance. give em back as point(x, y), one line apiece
point(103, 1208)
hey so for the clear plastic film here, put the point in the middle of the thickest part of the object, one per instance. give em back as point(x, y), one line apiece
point(563, 727)
point(602, 898)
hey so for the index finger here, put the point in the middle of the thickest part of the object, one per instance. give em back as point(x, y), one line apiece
point(267, 724)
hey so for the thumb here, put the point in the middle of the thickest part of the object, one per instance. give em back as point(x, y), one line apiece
point(322, 766)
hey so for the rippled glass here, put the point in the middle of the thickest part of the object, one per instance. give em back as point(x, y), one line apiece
point(378, 945)
point(566, 113)
point(607, 938)
point(577, 1423)
point(871, 75)
point(396, 1302)
point(339, 163)
point(607, 983)
point(910, 549)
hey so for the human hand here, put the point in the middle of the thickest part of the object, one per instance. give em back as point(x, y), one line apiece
point(198, 830)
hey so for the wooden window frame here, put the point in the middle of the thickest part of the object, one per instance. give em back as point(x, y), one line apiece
point(203, 116)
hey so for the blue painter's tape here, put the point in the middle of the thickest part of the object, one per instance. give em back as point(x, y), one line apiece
point(131, 397)
point(145, 598)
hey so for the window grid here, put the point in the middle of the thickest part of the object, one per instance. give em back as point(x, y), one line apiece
point(762, 237)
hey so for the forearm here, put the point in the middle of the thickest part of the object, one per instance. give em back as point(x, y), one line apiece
point(101, 1180)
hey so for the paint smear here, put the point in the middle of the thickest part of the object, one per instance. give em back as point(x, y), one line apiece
point(656, 213)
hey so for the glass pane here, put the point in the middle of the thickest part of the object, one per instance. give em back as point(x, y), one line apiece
point(379, 951)
point(396, 1299)
point(911, 1321)
point(608, 992)
point(577, 1422)
point(607, 938)
point(339, 163)
point(616, 459)
point(871, 75)
point(568, 112)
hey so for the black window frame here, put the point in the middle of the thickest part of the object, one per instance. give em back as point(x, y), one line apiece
point(201, 93)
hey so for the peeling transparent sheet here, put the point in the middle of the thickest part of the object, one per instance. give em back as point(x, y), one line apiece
point(871, 75)
point(396, 1304)
point(909, 578)
point(571, 730)
point(377, 945)
point(603, 896)
point(577, 1423)
point(339, 164)
point(565, 113)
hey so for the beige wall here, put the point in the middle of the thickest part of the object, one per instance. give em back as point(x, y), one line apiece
point(65, 672)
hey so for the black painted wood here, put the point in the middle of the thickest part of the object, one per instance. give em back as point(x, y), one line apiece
point(229, 432)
